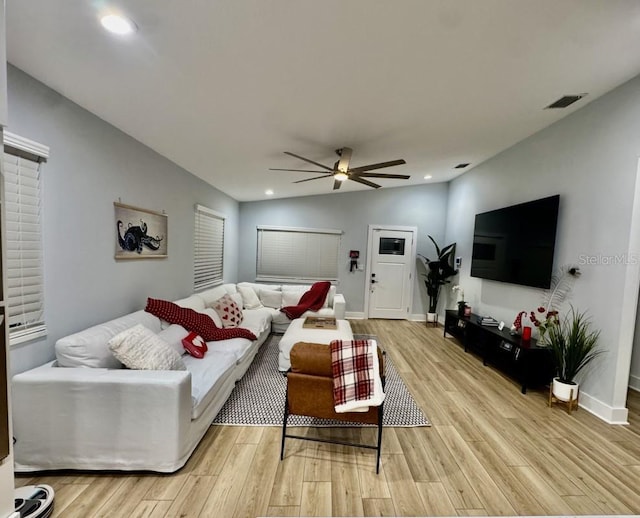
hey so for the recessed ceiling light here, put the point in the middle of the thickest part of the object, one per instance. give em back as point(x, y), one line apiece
point(269, 192)
point(118, 24)
point(427, 177)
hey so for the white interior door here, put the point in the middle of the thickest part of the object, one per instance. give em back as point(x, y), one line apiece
point(390, 264)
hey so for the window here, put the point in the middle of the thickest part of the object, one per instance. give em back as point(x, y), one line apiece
point(22, 161)
point(300, 254)
point(208, 252)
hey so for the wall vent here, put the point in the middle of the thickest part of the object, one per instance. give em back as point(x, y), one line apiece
point(461, 166)
point(565, 101)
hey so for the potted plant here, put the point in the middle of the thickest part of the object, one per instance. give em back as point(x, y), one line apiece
point(573, 345)
point(438, 271)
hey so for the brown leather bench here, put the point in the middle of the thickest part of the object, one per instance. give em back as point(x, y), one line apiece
point(310, 393)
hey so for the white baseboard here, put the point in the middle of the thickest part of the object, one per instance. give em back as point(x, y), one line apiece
point(355, 315)
point(634, 382)
point(609, 414)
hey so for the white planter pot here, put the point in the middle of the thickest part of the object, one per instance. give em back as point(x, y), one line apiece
point(432, 317)
point(563, 391)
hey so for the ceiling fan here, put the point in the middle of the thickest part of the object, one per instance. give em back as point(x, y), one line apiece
point(341, 170)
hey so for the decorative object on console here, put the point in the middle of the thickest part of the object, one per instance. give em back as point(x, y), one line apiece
point(541, 318)
point(140, 233)
point(438, 271)
point(462, 305)
point(573, 345)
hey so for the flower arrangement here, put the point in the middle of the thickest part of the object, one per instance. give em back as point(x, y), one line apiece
point(459, 289)
point(541, 318)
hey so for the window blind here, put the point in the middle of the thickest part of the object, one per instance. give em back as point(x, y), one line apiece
point(297, 254)
point(25, 279)
point(208, 248)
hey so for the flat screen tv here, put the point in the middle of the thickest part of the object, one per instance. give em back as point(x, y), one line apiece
point(516, 244)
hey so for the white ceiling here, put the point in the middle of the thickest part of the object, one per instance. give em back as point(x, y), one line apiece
point(223, 87)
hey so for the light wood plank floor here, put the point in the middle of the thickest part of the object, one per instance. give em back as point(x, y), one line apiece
point(490, 451)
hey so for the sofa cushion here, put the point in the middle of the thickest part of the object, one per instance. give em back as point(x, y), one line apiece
point(257, 320)
point(291, 294)
point(271, 298)
point(207, 376)
point(194, 302)
point(194, 321)
point(239, 347)
point(141, 349)
point(173, 335)
point(212, 294)
point(89, 348)
point(228, 311)
point(250, 299)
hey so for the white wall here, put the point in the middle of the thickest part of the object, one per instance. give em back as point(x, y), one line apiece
point(422, 206)
point(590, 159)
point(92, 164)
point(6, 466)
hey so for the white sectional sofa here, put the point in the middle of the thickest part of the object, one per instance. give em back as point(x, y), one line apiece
point(85, 411)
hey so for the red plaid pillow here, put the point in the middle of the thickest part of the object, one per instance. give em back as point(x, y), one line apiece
point(194, 321)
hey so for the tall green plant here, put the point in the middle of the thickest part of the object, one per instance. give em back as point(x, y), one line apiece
point(438, 271)
point(573, 345)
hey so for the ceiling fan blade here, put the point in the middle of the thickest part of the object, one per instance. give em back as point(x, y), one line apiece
point(314, 178)
point(307, 160)
point(363, 181)
point(382, 175)
point(345, 158)
point(298, 170)
point(336, 185)
point(377, 166)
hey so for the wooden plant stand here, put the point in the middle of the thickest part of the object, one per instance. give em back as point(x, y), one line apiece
point(570, 404)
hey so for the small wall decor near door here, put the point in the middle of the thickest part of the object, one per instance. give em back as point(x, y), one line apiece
point(140, 233)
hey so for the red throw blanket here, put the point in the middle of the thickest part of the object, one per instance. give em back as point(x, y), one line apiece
point(311, 300)
point(193, 321)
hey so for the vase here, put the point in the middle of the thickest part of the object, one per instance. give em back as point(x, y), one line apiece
point(565, 391)
point(461, 306)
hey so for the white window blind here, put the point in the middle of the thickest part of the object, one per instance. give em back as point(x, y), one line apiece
point(23, 212)
point(299, 254)
point(209, 248)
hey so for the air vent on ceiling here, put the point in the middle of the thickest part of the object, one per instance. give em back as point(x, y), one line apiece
point(461, 166)
point(566, 100)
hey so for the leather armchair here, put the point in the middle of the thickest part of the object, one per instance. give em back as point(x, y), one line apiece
point(310, 393)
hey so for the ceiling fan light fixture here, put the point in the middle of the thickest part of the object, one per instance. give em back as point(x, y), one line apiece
point(340, 176)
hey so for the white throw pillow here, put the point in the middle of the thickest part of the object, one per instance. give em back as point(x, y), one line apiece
point(250, 299)
point(140, 348)
point(173, 335)
point(213, 315)
point(291, 295)
point(229, 311)
point(271, 298)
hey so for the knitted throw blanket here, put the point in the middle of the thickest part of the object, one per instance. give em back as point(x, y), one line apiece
point(311, 300)
point(356, 375)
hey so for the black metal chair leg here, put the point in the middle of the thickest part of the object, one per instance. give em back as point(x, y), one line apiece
point(284, 423)
point(380, 414)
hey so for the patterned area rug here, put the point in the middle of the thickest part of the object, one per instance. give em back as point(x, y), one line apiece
point(258, 398)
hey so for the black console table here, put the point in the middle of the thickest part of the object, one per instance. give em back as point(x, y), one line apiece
point(525, 361)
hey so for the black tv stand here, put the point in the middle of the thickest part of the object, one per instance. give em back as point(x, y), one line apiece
point(529, 364)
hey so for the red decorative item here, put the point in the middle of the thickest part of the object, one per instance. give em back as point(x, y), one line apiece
point(526, 333)
point(194, 344)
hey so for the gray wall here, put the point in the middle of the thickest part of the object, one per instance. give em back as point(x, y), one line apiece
point(92, 164)
point(421, 206)
point(590, 158)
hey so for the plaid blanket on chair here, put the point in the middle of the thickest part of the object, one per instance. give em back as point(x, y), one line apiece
point(356, 375)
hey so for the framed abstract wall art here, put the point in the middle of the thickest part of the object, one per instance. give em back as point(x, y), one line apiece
point(140, 233)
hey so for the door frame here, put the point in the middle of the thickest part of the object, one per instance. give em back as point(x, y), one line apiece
point(414, 251)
